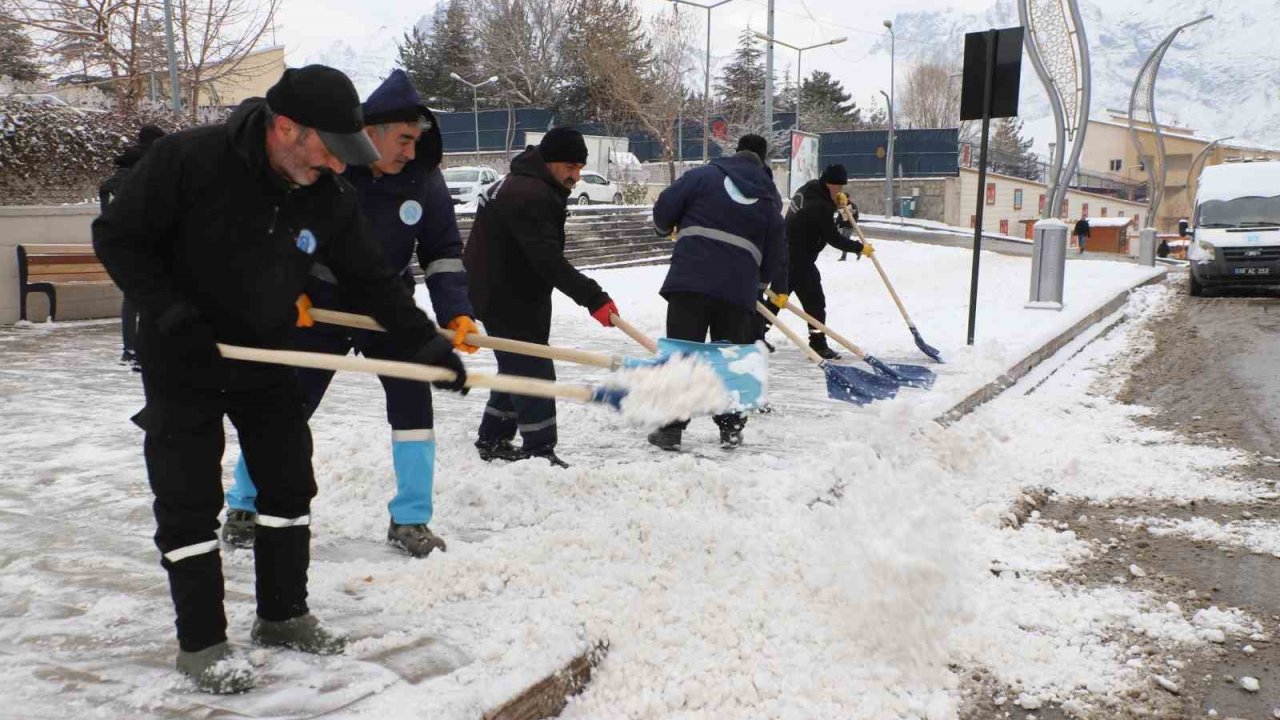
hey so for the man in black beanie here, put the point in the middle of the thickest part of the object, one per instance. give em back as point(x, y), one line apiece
point(214, 237)
point(514, 259)
point(811, 226)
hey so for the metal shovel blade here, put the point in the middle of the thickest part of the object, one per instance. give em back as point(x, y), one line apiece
point(925, 347)
point(857, 386)
point(910, 375)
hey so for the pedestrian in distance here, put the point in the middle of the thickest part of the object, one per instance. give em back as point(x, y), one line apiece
point(214, 237)
point(812, 224)
point(730, 241)
point(404, 198)
point(514, 260)
point(1081, 232)
point(853, 209)
point(124, 163)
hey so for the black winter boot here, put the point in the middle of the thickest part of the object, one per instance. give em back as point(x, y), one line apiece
point(818, 341)
point(491, 450)
point(667, 438)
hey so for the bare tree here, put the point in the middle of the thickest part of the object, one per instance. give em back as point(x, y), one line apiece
point(96, 37)
point(931, 98)
point(519, 42)
point(214, 37)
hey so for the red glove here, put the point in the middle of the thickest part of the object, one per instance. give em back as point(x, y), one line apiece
point(602, 314)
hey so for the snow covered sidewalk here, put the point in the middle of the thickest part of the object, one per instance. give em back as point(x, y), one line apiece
point(723, 588)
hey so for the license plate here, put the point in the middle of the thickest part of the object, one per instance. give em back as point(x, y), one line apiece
point(1253, 271)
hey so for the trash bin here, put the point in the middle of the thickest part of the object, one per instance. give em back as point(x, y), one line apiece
point(907, 206)
point(1048, 265)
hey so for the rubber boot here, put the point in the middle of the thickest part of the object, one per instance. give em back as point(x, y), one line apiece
point(217, 669)
point(818, 341)
point(240, 526)
point(304, 634)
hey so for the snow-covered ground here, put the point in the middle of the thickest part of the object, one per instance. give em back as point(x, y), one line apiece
point(724, 589)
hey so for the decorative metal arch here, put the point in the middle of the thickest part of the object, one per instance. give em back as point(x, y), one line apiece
point(1142, 105)
point(1193, 173)
point(1059, 52)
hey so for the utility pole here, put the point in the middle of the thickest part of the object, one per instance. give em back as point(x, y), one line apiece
point(706, 79)
point(475, 104)
point(175, 95)
point(799, 59)
point(768, 77)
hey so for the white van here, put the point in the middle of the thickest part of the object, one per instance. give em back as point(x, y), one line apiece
point(1235, 232)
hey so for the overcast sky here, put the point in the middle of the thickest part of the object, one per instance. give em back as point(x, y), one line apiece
point(310, 27)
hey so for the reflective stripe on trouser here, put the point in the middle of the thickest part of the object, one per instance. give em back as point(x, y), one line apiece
point(534, 418)
point(413, 453)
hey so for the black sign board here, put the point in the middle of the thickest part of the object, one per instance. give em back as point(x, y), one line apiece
point(1005, 77)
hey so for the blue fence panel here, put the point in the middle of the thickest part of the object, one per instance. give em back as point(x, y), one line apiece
point(459, 128)
point(918, 153)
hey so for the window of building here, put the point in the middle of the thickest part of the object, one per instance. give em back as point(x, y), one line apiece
point(1104, 211)
point(1116, 165)
point(1004, 226)
point(1017, 199)
point(1084, 210)
point(991, 193)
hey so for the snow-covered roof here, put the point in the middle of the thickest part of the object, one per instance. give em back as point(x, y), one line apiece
point(1236, 180)
point(1109, 221)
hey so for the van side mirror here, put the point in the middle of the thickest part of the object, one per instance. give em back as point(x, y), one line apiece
point(1184, 228)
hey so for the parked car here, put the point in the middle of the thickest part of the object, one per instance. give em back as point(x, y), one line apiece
point(467, 183)
point(596, 188)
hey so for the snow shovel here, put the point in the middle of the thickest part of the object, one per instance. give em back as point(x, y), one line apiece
point(909, 375)
point(925, 347)
point(633, 333)
point(424, 373)
point(843, 382)
point(742, 368)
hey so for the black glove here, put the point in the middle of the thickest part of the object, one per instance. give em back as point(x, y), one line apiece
point(859, 248)
point(188, 332)
point(439, 352)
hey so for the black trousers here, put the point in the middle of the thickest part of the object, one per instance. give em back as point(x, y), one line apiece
point(183, 448)
point(699, 318)
point(129, 326)
point(504, 414)
point(806, 284)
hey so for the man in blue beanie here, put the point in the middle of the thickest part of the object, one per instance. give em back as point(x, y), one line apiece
point(406, 202)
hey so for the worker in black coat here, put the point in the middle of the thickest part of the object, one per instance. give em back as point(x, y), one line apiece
point(812, 224)
point(214, 237)
point(124, 163)
point(514, 259)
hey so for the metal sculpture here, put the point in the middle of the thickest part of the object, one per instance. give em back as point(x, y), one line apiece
point(1193, 173)
point(1142, 108)
point(1059, 52)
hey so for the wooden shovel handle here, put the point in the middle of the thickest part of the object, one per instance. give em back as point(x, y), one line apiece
point(407, 371)
point(581, 357)
point(795, 339)
point(848, 215)
point(817, 324)
point(635, 334)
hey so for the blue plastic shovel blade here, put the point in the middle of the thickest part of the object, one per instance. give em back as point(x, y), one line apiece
point(742, 368)
point(857, 386)
point(925, 347)
point(909, 375)
point(608, 395)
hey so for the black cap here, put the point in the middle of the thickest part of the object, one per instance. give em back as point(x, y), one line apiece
point(755, 144)
point(324, 99)
point(563, 144)
point(148, 134)
point(835, 175)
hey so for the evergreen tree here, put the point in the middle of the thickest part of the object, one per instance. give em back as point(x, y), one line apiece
point(615, 28)
point(446, 46)
point(16, 54)
point(1010, 153)
point(826, 106)
point(740, 86)
point(415, 58)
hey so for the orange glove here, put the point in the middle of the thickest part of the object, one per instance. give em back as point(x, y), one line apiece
point(303, 303)
point(461, 327)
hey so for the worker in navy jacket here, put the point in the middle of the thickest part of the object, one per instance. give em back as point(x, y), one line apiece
point(406, 204)
point(730, 241)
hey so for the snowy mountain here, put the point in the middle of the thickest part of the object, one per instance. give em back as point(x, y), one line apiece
point(1220, 78)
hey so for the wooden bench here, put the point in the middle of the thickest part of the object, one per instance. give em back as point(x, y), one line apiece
point(42, 268)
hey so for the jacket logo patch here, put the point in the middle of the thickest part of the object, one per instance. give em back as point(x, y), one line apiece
point(307, 242)
point(736, 195)
point(410, 212)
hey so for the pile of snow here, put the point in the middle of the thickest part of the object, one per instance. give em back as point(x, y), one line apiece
point(680, 388)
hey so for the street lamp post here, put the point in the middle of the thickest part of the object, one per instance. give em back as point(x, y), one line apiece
point(706, 78)
point(799, 59)
point(475, 104)
point(888, 162)
point(888, 153)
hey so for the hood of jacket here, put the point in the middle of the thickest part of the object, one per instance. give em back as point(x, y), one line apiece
point(131, 156)
point(530, 164)
point(748, 174)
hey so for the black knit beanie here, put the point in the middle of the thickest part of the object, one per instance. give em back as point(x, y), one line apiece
point(755, 144)
point(835, 175)
point(563, 144)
